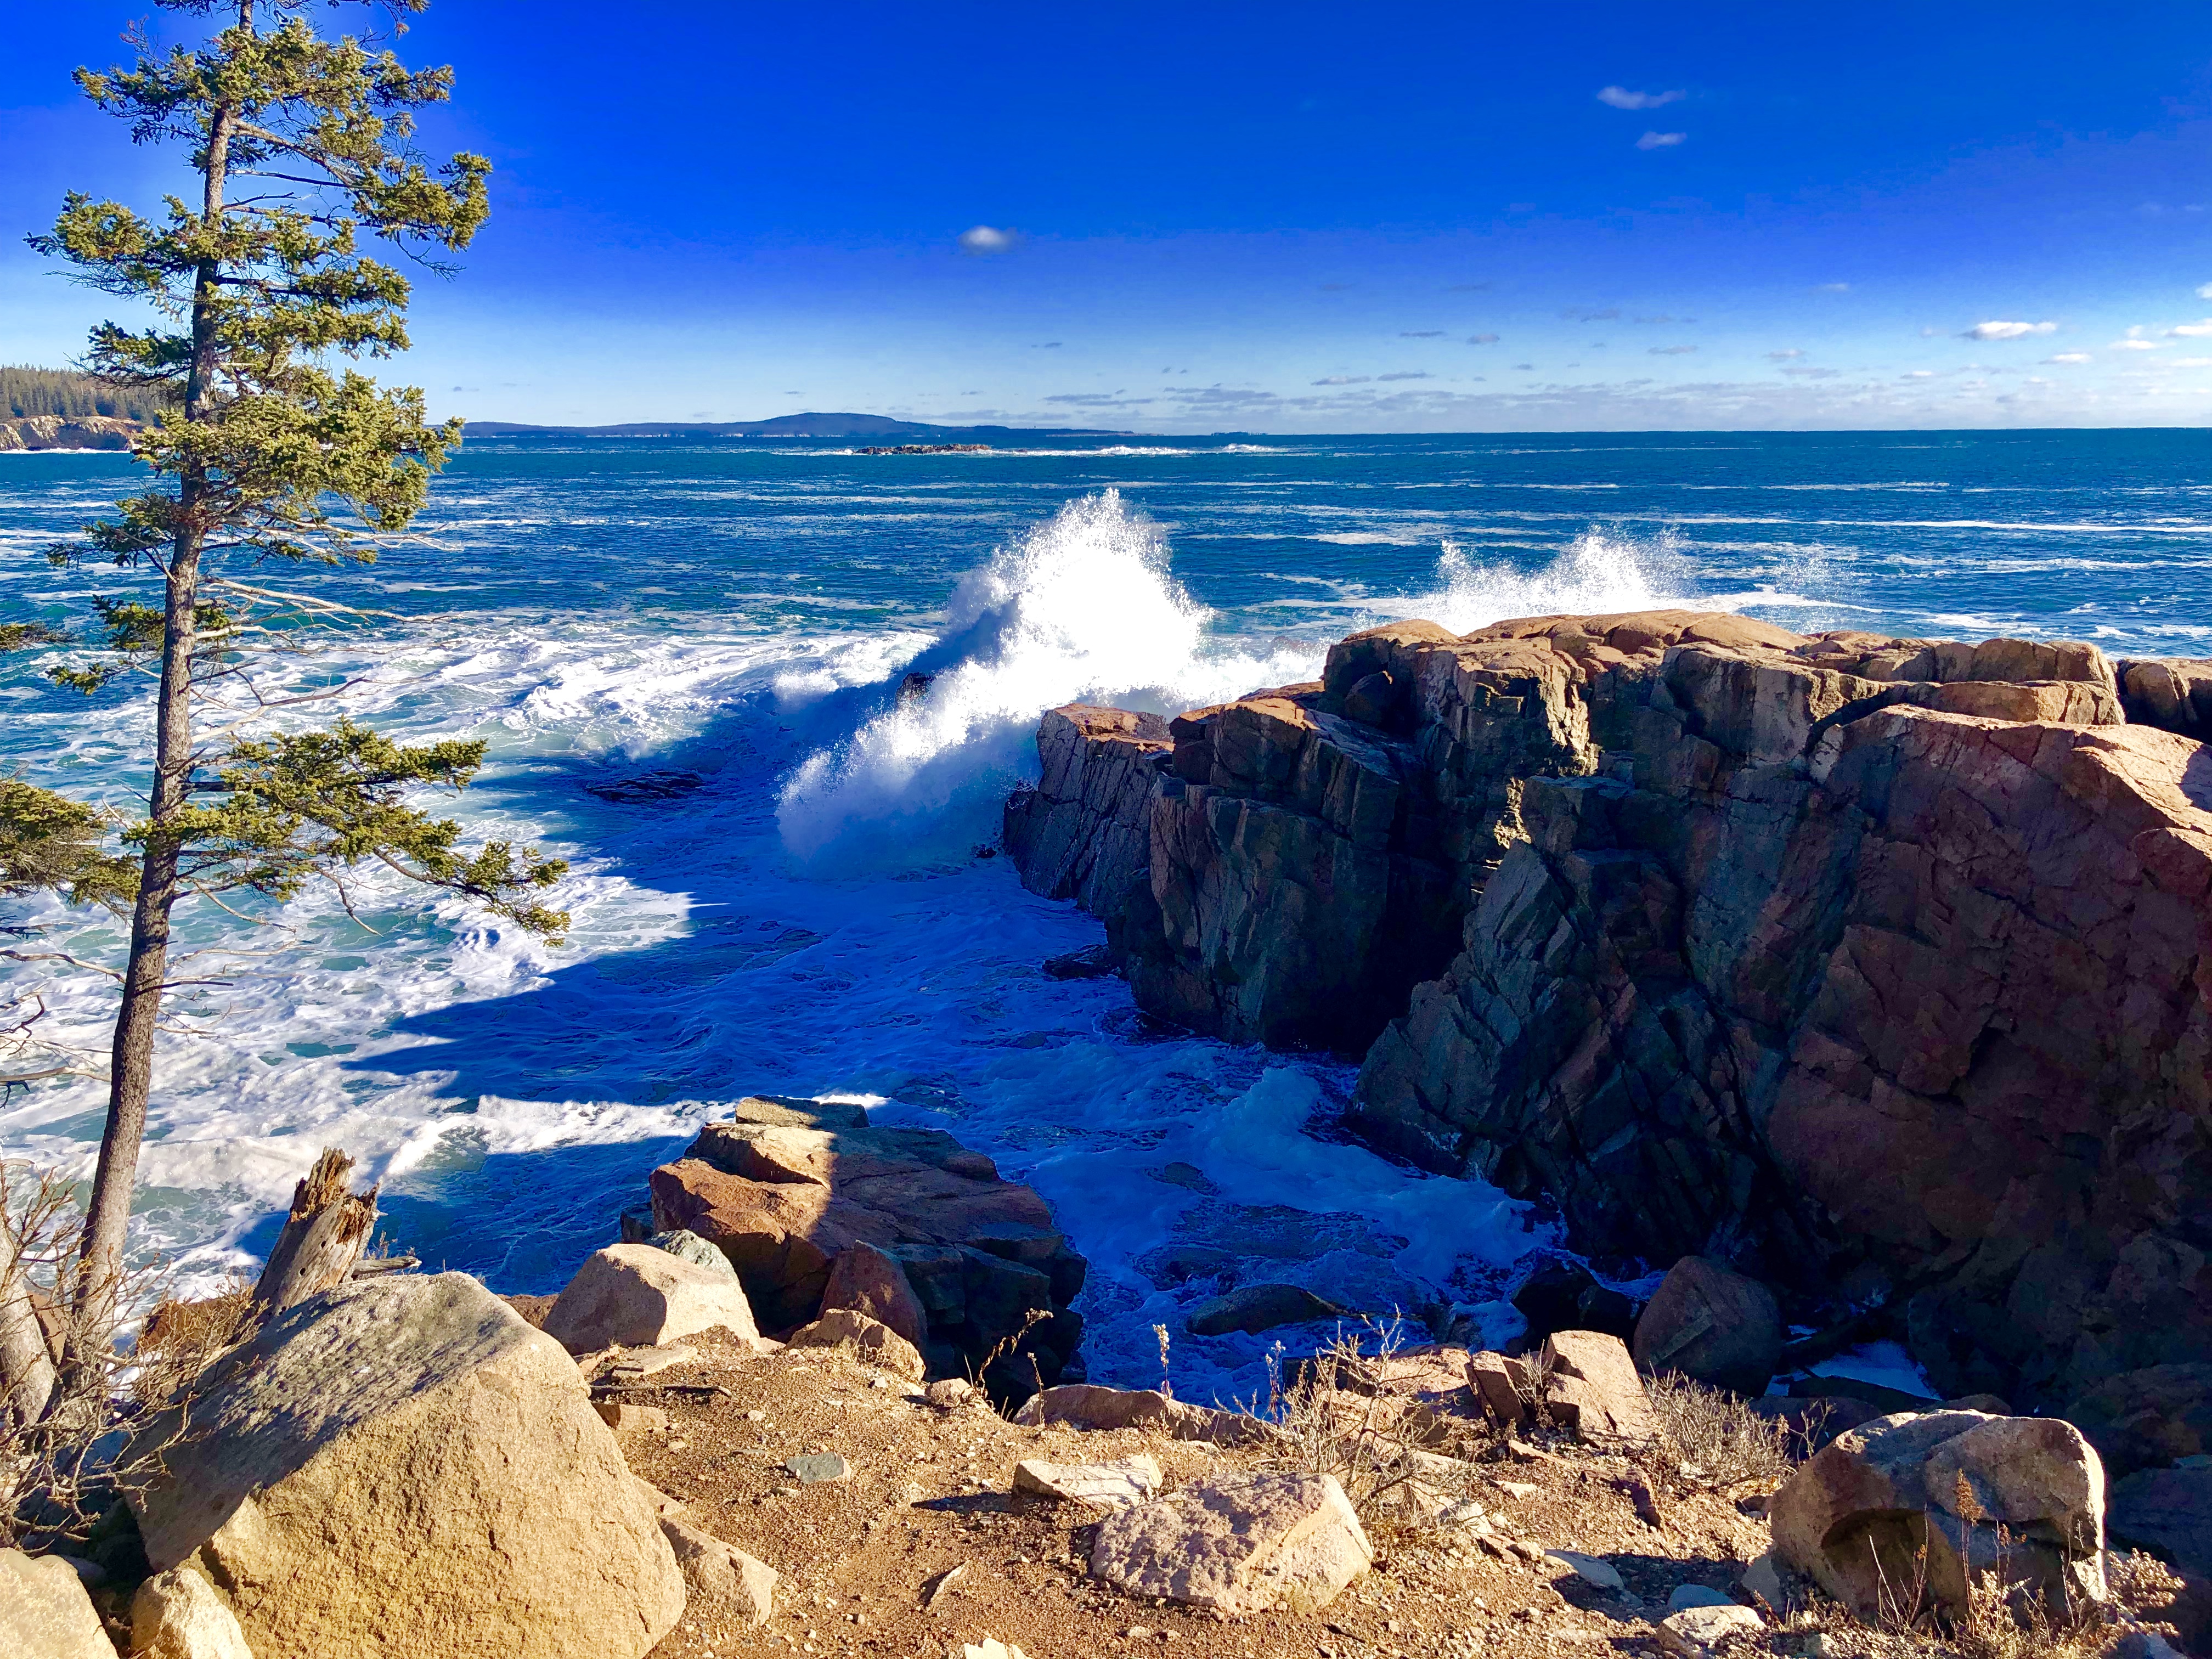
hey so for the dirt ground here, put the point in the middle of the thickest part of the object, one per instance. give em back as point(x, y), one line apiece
point(862, 1559)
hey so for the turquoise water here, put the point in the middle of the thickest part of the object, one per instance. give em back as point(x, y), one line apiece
point(811, 915)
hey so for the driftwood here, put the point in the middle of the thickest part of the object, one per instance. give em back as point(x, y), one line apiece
point(323, 1238)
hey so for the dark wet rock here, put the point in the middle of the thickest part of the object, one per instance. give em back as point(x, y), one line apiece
point(1255, 1308)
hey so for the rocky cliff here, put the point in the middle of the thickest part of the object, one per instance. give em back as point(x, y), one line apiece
point(1879, 967)
point(67, 431)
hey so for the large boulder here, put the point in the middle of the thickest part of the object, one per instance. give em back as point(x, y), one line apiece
point(45, 1613)
point(1856, 1516)
point(1237, 1544)
point(785, 1189)
point(404, 1469)
point(637, 1296)
point(868, 1340)
point(1710, 1324)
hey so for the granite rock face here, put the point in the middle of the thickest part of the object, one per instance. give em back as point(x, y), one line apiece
point(1819, 956)
point(788, 1189)
point(1084, 832)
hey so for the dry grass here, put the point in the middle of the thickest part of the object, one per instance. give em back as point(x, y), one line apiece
point(1717, 1442)
point(1350, 1412)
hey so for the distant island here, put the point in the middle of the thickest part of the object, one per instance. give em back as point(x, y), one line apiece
point(812, 425)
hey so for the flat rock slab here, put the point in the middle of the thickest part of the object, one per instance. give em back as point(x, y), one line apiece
point(1591, 1569)
point(1696, 1595)
point(1114, 1485)
point(1695, 1632)
point(1591, 1390)
point(1239, 1544)
point(633, 1296)
point(632, 1363)
point(45, 1613)
point(812, 1468)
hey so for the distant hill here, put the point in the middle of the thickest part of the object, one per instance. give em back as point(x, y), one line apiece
point(796, 426)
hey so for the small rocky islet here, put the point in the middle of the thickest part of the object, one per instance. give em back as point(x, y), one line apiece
point(1863, 980)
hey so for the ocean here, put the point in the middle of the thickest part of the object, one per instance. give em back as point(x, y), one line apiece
point(686, 659)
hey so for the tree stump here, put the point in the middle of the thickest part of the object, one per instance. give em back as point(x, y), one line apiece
point(323, 1238)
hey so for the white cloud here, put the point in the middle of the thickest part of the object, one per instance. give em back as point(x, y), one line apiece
point(1408, 374)
point(1784, 356)
point(2007, 330)
point(986, 238)
point(1669, 351)
point(2205, 292)
point(2187, 363)
point(2131, 343)
point(1919, 373)
point(1833, 287)
point(1343, 380)
point(1660, 140)
point(2069, 357)
point(1622, 98)
point(2191, 331)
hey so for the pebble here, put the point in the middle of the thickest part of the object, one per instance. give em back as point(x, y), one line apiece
point(812, 1468)
point(1696, 1595)
point(1592, 1569)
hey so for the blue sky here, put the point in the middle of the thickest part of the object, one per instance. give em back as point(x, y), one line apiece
point(1287, 217)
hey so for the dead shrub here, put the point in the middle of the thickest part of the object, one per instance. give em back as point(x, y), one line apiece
point(1716, 1442)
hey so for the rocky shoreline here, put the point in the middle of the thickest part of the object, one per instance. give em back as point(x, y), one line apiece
point(67, 431)
point(1880, 969)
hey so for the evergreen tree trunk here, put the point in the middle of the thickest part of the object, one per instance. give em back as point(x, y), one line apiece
point(107, 1213)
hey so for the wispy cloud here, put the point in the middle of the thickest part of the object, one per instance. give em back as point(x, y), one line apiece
point(1833, 288)
point(1661, 140)
point(1408, 374)
point(1785, 356)
point(1582, 315)
point(2191, 331)
point(2205, 291)
point(1670, 351)
point(1482, 339)
point(1420, 334)
point(1808, 373)
point(2002, 330)
point(1622, 98)
point(2131, 343)
point(1046, 345)
point(1342, 379)
point(2069, 357)
point(988, 239)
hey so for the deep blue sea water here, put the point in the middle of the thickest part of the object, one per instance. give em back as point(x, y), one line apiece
point(813, 919)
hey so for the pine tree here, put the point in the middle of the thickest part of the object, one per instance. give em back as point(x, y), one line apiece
point(273, 452)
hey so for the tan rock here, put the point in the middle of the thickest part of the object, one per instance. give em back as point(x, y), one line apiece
point(1867, 1505)
point(1696, 1633)
point(1501, 1383)
point(1591, 1389)
point(178, 1614)
point(636, 1296)
point(1238, 1544)
point(723, 1572)
point(1089, 1406)
point(1712, 1324)
point(45, 1613)
point(630, 1419)
point(869, 1340)
point(406, 1470)
point(871, 1282)
point(1085, 831)
point(1105, 1485)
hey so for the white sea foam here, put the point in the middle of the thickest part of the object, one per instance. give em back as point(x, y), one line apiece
point(1601, 571)
point(1082, 608)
